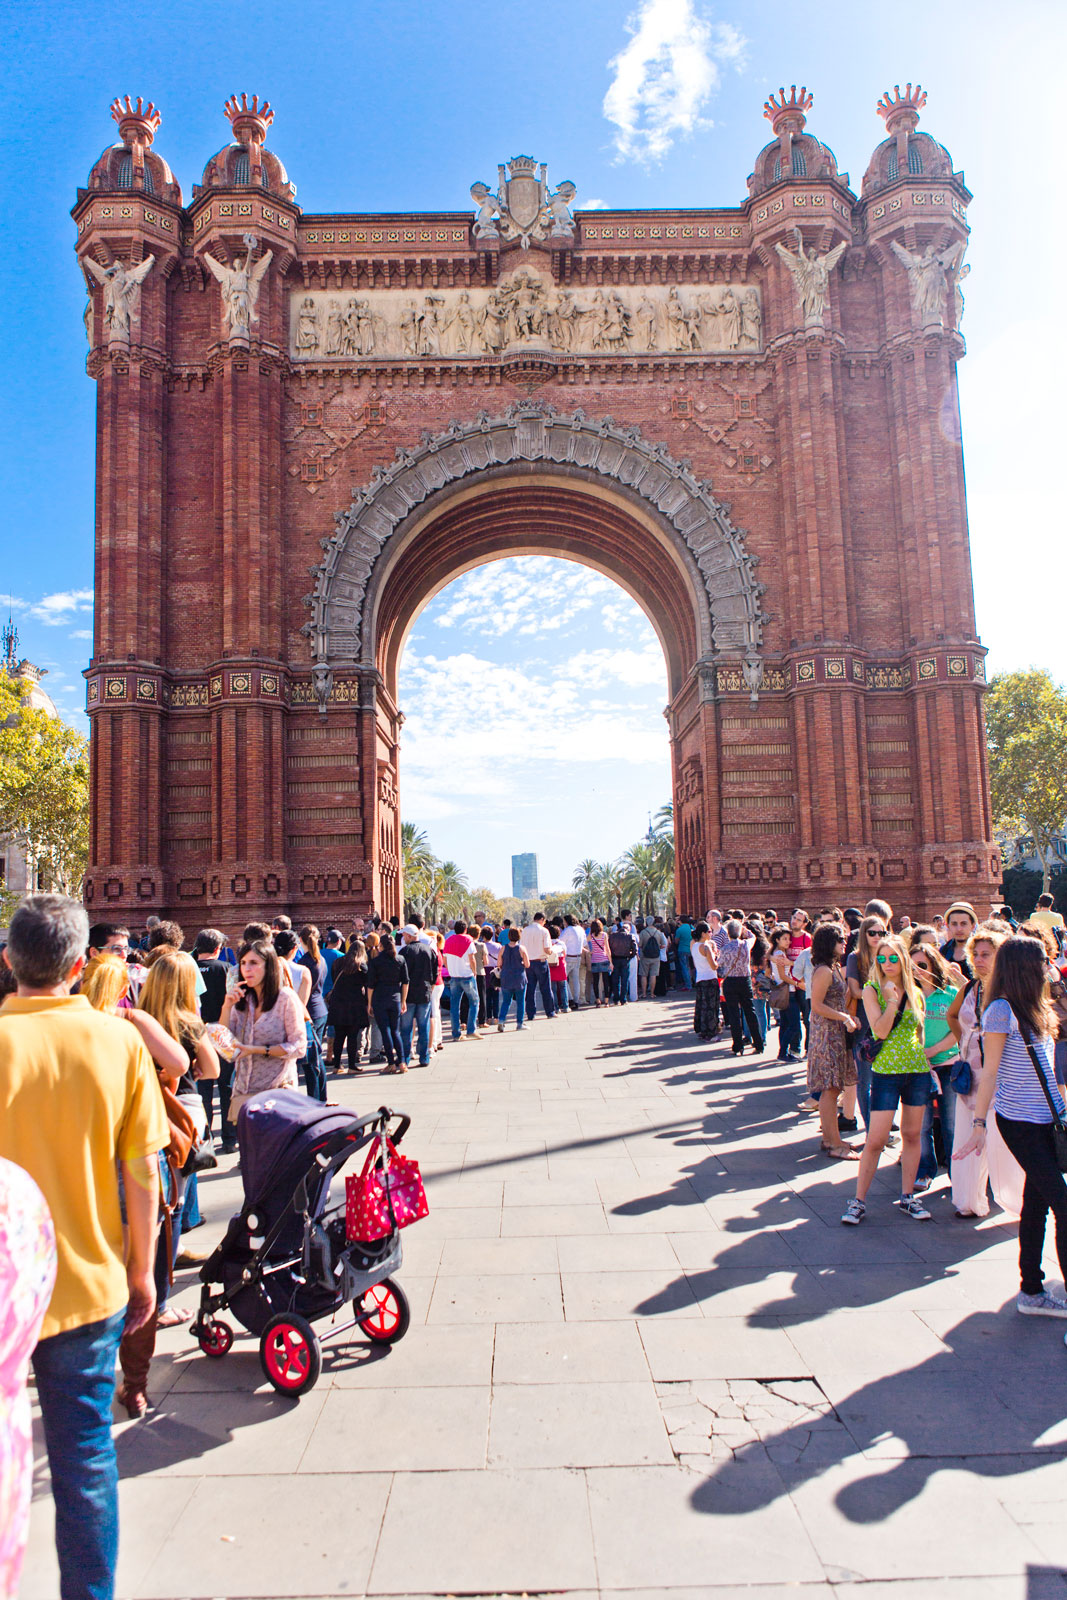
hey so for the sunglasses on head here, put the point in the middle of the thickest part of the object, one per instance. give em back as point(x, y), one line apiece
point(892, 960)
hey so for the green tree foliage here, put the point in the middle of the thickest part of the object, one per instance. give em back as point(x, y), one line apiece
point(1026, 724)
point(44, 791)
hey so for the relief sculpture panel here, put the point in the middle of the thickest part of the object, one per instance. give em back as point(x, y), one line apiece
point(526, 311)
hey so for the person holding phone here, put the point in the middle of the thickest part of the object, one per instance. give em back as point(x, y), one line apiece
point(900, 1075)
point(267, 1020)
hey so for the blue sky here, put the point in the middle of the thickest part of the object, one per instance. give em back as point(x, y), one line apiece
point(655, 102)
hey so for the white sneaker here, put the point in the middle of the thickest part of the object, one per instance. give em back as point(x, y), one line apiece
point(1041, 1305)
point(855, 1212)
point(913, 1207)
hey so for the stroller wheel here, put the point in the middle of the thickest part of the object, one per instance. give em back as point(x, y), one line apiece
point(290, 1353)
point(384, 1313)
point(214, 1338)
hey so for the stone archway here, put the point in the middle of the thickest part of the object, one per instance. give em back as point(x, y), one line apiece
point(534, 479)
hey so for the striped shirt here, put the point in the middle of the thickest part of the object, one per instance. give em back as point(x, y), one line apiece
point(1019, 1095)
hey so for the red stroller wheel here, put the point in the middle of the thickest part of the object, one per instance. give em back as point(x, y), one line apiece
point(290, 1353)
point(214, 1338)
point(384, 1313)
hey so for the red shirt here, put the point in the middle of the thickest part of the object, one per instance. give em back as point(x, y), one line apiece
point(797, 943)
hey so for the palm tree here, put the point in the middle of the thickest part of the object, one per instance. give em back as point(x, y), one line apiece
point(448, 890)
point(586, 882)
point(419, 862)
point(662, 843)
point(611, 884)
point(641, 877)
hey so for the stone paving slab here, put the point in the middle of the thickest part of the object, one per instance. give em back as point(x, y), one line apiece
point(645, 1360)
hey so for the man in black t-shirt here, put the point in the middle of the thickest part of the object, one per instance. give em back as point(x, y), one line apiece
point(209, 941)
point(420, 959)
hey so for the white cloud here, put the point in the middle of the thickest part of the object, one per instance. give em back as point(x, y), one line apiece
point(635, 668)
point(82, 633)
point(54, 610)
point(665, 76)
point(593, 205)
point(522, 595)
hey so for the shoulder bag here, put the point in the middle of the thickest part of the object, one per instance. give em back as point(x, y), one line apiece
point(868, 1048)
point(1059, 1132)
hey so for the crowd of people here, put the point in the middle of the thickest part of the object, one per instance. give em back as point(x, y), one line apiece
point(947, 1039)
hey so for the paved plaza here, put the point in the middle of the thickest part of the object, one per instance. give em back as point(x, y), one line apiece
point(645, 1359)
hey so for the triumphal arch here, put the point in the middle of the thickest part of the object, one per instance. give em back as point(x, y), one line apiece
point(746, 415)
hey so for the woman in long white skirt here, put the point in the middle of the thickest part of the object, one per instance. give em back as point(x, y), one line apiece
point(995, 1166)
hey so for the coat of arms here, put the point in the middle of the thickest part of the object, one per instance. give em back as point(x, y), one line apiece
point(523, 210)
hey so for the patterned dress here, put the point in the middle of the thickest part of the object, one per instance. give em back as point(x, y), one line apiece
point(27, 1275)
point(830, 1063)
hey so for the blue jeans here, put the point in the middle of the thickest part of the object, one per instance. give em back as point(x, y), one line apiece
point(759, 1005)
point(863, 1085)
point(506, 997)
point(683, 969)
point(927, 1151)
point(537, 978)
point(805, 1013)
point(789, 1028)
point(559, 992)
point(620, 982)
point(459, 987)
point(314, 1072)
point(415, 1014)
point(386, 1008)
point(75, 1373)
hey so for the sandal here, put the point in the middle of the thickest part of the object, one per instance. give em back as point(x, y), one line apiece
point(173, 1317)
point(840, 1152)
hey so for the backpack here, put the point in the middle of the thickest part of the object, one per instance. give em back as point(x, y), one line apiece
point(621, 945)
point(650, 946)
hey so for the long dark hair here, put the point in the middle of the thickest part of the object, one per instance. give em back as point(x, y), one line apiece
point(355, 957)
point(310, 935)
point(1020, 977)
point(272, 975)
point(824, 942)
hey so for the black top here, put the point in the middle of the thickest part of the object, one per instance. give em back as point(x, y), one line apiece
point(421, 963)
point(214, 974)
point(347, 1005)
point(316, 1005)
point(386, 972)
point(961, 961)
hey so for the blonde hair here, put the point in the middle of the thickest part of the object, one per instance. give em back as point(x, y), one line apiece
point(908, 982)
point(106, 983)
point(169, 995)
point(994, 933)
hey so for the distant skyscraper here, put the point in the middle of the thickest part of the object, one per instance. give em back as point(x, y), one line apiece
point(524, 876)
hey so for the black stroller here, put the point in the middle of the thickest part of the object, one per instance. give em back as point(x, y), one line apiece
point(285, 1261)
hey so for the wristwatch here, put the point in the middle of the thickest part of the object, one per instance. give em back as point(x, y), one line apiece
point(978, 1122)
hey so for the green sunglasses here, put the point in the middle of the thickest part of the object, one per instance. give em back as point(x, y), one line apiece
point(892, 961)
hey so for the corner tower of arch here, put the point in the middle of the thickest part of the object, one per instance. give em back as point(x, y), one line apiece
point(745, 416)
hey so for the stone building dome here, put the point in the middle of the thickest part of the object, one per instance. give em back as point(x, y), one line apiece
point(132, 163)
point(793, 153)
point(905, 153)
point(247, 162)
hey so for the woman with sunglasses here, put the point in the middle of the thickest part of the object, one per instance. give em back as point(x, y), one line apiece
point(993, 1167)
point(935, 979)
point(1021, 1088)
point(857, 971)
point(900, 1075)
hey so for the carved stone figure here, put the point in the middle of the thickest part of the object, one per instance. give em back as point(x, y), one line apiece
point(645, 325)
point(711, 309)
point(240, 288)
point(811, 276)
point(568, 316)
point(559, 209)
point(928, 279)
point(494, 324)
point(958, 276)
point(366, 336)
point(307, 327)
point(731, 320)
point(677, 322)
point(350, 329)
point(751, 319)
point(523, 210)
point(485, 226)
point(87, 320)
point(409, 329)
point(122, 294)
point(334, 329)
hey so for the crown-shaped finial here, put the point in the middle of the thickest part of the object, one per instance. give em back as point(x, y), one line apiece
point(522, 164)
point(794, 105)
point(893, 107)
point(250, 122)
point(137, 122)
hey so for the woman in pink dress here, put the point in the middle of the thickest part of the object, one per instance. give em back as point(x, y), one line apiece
point(27, 1274)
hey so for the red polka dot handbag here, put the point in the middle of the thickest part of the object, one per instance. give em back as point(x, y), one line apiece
point(387, 1194)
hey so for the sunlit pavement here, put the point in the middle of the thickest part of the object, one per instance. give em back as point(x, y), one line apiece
point(645, 1359)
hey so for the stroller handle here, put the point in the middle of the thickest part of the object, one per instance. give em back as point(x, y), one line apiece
point(387, 1114)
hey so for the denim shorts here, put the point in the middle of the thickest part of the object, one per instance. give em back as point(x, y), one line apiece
point(888, 1089)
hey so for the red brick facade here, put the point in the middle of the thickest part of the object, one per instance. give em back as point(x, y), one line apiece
point(273, 510)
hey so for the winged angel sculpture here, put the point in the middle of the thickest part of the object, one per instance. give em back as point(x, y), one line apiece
point(811, 275)
point(240, 288)
point(122, 292)
point(930, 272)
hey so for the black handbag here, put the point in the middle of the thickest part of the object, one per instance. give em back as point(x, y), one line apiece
point(868, 1048)
point(1059, 1132)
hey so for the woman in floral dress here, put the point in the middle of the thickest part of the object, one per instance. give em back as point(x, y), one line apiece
point(830, 1065)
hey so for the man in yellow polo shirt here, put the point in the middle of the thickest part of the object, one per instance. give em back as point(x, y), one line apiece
point(78, 1094)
